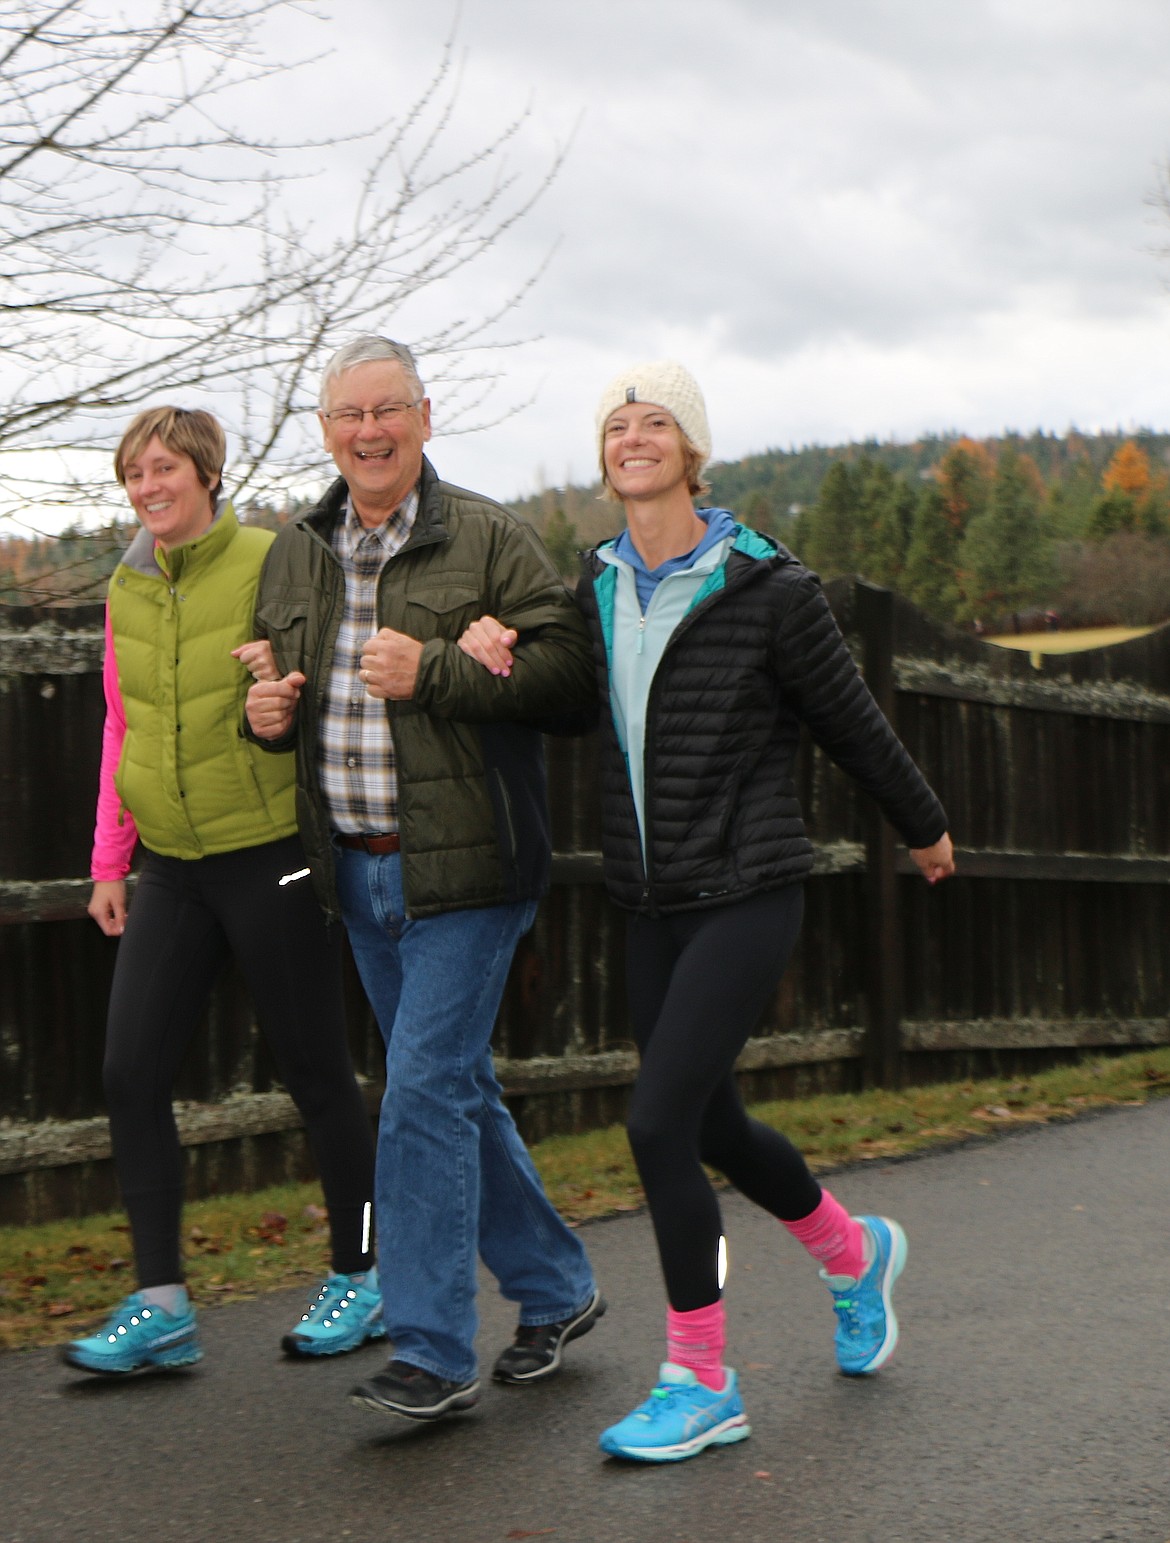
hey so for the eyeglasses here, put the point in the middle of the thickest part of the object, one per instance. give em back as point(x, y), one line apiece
point(351, 417)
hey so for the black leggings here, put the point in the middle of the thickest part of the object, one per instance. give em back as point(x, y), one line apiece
point(185, 919)
point(698, 984)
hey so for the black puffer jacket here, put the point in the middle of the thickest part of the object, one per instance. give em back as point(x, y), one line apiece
point(758, 656)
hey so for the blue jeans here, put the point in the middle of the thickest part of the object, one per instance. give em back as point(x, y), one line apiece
point(453, 1176)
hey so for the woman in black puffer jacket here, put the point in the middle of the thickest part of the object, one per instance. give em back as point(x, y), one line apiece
point(713, 645)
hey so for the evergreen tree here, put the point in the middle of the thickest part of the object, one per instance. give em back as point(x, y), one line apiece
point(932, 560)
point(1071, 501)
point(756, 511)
point(1115, 512)
point(883, 527)
point(1006, 554)
point(825, 532)
point(560, 537)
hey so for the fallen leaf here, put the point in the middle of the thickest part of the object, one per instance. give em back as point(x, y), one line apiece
point(197, 1235)
point(59, 1309)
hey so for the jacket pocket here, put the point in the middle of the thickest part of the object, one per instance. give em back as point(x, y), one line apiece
point(284, 623)
point(442, 612)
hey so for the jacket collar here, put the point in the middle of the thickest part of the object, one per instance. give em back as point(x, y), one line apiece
point(145, 557)
point(428, 523)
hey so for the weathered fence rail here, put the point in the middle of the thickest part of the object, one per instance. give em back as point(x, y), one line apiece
point(1051, 942)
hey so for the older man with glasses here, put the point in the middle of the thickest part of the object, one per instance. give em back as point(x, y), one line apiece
point(421, 802)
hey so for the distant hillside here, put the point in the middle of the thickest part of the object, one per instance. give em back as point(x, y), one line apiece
point(790, 480)
point(971, 530)
point(979, 532)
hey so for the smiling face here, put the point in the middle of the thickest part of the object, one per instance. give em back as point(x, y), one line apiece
point(167, 496)
point(643, 452)
point(381, 462)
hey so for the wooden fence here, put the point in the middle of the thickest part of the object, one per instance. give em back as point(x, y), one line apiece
point(1050, 942)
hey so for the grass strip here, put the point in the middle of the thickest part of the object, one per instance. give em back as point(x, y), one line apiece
point(57, 1280)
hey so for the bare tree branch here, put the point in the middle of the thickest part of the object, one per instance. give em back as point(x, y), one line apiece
point(150, 246)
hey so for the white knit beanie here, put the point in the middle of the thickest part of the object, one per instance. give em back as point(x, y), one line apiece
point(664, 383)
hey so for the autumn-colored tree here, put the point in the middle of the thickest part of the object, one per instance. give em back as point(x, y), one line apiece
point(1128, 471)
point(964, 477)
point(1133, 500)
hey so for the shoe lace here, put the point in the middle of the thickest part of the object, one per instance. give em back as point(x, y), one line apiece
point(125, 1317)
point(665, 1393)
point(846, 1306)
point(332, 1299)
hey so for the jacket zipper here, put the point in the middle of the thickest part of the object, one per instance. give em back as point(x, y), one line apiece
point(647, 780)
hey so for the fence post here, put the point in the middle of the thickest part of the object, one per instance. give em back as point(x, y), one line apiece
point(874, 621)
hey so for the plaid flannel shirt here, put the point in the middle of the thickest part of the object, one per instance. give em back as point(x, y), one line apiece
point(355, 758)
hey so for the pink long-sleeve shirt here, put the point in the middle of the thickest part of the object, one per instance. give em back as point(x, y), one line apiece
point(115, 834)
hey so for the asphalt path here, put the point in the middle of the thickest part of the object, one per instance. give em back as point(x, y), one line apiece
point(1029, 1399)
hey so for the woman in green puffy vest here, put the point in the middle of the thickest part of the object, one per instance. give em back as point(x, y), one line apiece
point(222, 875)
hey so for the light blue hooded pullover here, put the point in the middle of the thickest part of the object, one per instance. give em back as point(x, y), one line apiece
point(648, 605)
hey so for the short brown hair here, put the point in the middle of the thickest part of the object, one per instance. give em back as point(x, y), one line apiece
point(183, 431)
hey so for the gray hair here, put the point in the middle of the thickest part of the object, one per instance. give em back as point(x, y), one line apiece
point(370, 350)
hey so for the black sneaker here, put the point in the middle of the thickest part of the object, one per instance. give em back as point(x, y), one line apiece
point(536, 1350)
point(414, 1393)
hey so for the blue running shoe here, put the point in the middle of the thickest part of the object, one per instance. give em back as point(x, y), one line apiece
point(680, 1418)
point(867, 1330)
point(345, 1314)
point(136, 1335)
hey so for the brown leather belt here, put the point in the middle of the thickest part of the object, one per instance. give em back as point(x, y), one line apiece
point(376, 846)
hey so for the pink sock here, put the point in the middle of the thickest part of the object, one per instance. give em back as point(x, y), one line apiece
point(833, 1236)
point(696, 1340)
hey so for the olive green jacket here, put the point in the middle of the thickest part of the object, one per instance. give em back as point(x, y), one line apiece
point(193, 783)
point(473, 815)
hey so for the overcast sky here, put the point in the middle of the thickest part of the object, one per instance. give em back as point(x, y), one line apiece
point(848, 217)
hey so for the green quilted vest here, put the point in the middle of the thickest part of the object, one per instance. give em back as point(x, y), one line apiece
point(191, 780)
